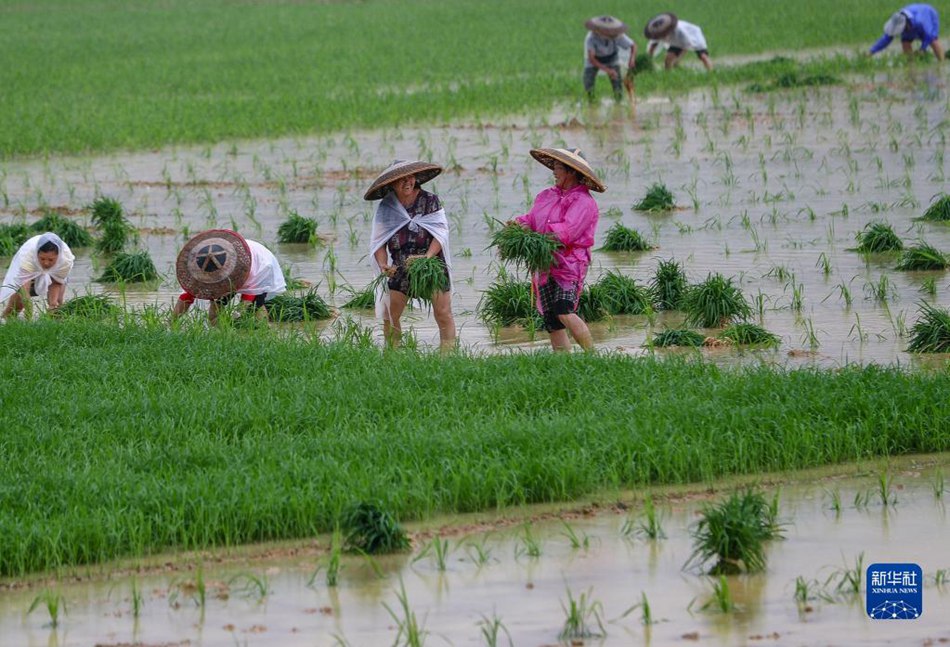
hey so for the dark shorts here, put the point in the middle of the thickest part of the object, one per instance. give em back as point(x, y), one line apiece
point(679, 50)
point(555, 301)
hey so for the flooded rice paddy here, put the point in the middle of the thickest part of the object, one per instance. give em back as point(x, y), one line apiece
point(771, 189)
point(520, 577)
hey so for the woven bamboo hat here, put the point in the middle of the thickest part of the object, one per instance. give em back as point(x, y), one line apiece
point(607, 25)
point(570, 157)
point(424, 171)
point(214, 263)
point(660, 26)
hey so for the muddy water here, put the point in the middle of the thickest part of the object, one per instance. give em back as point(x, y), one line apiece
point(771, 188)
point(526, 593)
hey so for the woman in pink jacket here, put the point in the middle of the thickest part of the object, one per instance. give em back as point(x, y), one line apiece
point(568, 211)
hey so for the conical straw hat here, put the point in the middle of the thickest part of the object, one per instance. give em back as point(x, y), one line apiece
point(607, 25)
point(569, 157)
point(213, 264)
point(424, 171)
point(660, 26)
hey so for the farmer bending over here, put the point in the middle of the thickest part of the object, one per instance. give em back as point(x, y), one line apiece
point(913, 22)
point(40, 268)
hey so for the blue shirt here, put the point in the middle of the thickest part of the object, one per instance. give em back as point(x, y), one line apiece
point(923, 24)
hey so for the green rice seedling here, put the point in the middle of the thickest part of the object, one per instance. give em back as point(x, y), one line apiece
point(427, 277)
point(881, 291)
point(526, 248)
point(624, 239)
point(581, 616)
point(734, 533)
point(681, 337)
point(835, 498)
point(940, 578)
point(847, 581)
point(508, 302)
point(577, 541)
point(922, 257)
point(885, 489)
point(478, 552)
point(72, 233)
point(528, 544)
point(721, 598)
point(491, 629)
point(55, 604)
point(824, 263)
point(411, 633)
point(622, 295)
point(939, 484)
point(286, 308)
point(749, 334)
point(347, 331)
point(939, 209)
point(138, 600)
point(297, 229)
point(333, 562)
point(929, 286)
point(12, 236)
point(931, 332)
point(651, 522)
point(646, 613)
point(715, 302)
point(249, 585)
point(293, 282)
point(878, 237)
point(658, 198)
point(807, 591)
point(593, 304)
point(669, 285)
point(861, 499)
point(134, 267)
point(439, 549)
point(89, 306)
point(115, 231)
point(371, 530)
point(364, 299)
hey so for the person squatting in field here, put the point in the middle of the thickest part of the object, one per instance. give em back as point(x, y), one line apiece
point(409, 223)
point(40, 268)
point(680, 36)
point(605, 38)
point(568, 211)
point(913, 22)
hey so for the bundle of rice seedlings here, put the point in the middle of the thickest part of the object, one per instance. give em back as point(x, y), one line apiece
point(643, 63)
point(526, 248)
point(71, 232)
point(109, 218)
point(658, 198)
point(360, 300)
point(877, 237)
point(681, 337)
point(749, 334)
point(622, 296)
point(135, 267)
point(427, 277)
point(734, 533)
point(939, 209)
point(669, 285)
point(931, 332)
point(89, 306)
point(11, 237)
point(624, 239)
point(297, 229)
point(715, 302)
point(293, 282)
point(372, 531)
point(287, 307)
point(508, 302)
point(922, 257)
point(593, 305)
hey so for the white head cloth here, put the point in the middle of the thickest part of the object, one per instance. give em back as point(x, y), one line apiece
point(895, 25)
point(26, 267)
point(390, 217)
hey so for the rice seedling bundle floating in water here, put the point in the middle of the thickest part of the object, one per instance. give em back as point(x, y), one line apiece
point(11, 237)
point(288, 307)
point(877, 237)
point(624, 239)
point(922, 257)
point(680, 337)
point(658, 198)
point(427, 277)
point(372, 530)
point(749, 334)
point(508, 302)
point(136, 267)
point(72, 233)
point(89, 306)
point(931, 332)
point(939, 209)
point(622, 296)
point(669, 285)
point(526, 248)
point(715, 302)
point(297, 229)
point(109, 218)
point(734, 533)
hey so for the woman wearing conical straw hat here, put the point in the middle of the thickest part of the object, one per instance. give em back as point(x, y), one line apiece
point(40, 268)
point(680, 36)
point(409, 223)
point(568, 211)
point(913, 22)
point(605, 38)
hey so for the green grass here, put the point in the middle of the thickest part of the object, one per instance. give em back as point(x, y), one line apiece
point(289, 307)
point(794, 79)
point(135, 267)
point(154, 447)
point(715, 302)
point(669, 285)
point(621, 295)
point(877, 237)
point(157, 74)
point(624, 239)
point(666, 338)
point(922, 257)
point(90, 306)
point(749, 334)
point(931, 332)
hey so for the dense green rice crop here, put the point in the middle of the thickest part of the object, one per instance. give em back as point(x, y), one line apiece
point(115, 231)
point(657, 198)
point(11, 237)
point(939, 209)
point(734, 532)
point(135, 267)
point(877, 237)
point(715, 302)
point(669, 285)
point(288, 307)
point(677, 338)
point(922, 257)
point(624, 239)
point(622, 295)
point(72, 233)
point(931, 332)
point(193, 439)
point(507, 302)
point(526, 248)
point(749, 334)
point(427, 277)
point(297, 229)
point(794, 79)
